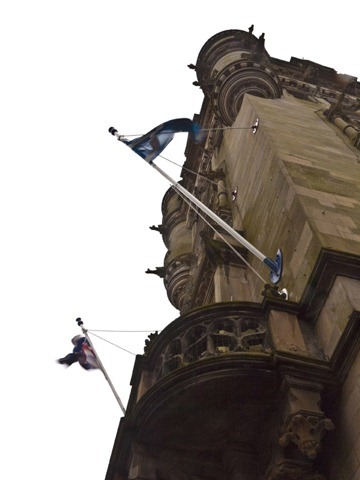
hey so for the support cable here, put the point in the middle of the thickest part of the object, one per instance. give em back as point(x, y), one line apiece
point(200, 130)
point(111, 343)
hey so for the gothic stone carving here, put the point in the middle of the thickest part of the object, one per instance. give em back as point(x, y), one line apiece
point(306, 431)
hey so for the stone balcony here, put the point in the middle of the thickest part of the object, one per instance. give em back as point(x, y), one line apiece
point(221, 339)
point(220, 334)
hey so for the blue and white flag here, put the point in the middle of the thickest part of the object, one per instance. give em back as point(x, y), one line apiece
point(150, 145)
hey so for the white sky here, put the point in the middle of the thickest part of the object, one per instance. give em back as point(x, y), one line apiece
point(76, 205)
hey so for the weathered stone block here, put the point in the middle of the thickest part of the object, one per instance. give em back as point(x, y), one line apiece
point(342, 300)
point(286, 333)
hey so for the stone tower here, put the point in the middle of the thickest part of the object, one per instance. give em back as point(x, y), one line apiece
point(255, 381)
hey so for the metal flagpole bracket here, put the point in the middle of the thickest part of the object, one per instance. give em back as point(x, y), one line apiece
point(275, 266)
point(234, 194)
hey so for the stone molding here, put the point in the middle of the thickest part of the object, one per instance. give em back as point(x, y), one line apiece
point(238, 79)
point(290, 470)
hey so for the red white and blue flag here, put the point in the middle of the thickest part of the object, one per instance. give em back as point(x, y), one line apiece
point(82, 353)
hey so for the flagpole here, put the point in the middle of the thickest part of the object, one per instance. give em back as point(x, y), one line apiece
point(274, 266)
point(101, 366)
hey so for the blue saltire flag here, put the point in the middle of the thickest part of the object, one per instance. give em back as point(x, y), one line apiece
point(150, 145)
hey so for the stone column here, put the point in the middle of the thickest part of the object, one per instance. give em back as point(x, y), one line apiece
point(347, 129)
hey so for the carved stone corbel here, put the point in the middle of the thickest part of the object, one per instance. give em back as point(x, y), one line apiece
point(304, 422)
point(306, 431)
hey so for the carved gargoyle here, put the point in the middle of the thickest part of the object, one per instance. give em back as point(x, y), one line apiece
point(306, 432)
point(158, 228)
point(160, 271)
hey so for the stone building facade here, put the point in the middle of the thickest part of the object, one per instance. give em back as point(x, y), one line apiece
point(256, 381)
